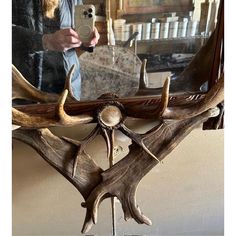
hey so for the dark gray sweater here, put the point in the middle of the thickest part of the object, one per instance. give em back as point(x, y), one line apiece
point(45, 70)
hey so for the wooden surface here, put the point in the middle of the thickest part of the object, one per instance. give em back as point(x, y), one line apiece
point(167, 6)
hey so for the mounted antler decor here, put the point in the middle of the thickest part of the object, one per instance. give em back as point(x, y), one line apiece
point(175, 121)
point(176, 116)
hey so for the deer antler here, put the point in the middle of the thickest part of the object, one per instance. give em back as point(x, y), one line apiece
point(60, 118)
point(164, 98)
point(211, 100)
point(67, 86)
point(22, 89)
point(60, 154)
point(81, 146)
point(143, 80)
point(122, 179)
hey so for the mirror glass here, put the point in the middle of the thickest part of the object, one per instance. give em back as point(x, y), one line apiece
point(167, 33)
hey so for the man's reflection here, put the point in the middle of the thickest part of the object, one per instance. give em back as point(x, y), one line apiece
point(44, 42)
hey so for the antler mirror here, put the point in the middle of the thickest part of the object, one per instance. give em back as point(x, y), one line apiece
point(115, 88)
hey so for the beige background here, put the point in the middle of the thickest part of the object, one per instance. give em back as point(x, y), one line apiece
point(183, 196)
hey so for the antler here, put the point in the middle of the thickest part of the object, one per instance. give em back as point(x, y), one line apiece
point(59, 118)
point(177, 107)
point(22, 89)
point(60, 154)
point(122, 179)
point(164, 98)
point(211, 100)
point(81, 145)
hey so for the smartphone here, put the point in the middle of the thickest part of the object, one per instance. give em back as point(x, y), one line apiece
point(84, 22)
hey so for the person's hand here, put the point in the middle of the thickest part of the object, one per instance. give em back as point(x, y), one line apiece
point(61, 41)
point(94, 39)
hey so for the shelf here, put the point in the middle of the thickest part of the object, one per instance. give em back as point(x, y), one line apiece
point(169, 46)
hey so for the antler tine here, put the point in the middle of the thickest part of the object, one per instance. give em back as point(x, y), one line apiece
point(211, 100)
point(14, 127)
point(164, 97)
point(143, 75)
point(25, 120)
point(81, 146)
point(61, 117)
point(21, 88)
point(108, 142)
point(137, 138)
point(66, 119)
point(68, 83)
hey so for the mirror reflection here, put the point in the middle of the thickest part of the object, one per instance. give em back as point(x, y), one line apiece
point(47, 41)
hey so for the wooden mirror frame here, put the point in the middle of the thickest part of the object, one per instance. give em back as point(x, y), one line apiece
point(177, 116)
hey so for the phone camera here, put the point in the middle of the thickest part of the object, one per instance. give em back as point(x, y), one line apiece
point(90, 15)
point(85, 13)
point(90, 10)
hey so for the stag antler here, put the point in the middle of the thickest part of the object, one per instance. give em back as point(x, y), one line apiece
point(22, 89)
point(122, 179)
point(59, 118)
point(211, 100)
point(81, 145)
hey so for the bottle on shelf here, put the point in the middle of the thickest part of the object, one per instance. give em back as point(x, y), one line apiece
point(146, 31)
point(164, 30)
point(155, 31)
point(182, 28)
point(137, 27)
point(173, 29)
